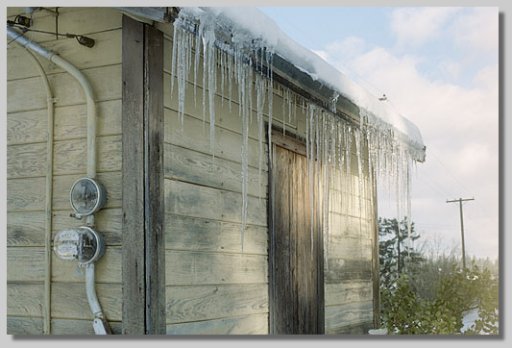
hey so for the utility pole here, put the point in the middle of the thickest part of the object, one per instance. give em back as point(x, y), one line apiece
point(460, 200)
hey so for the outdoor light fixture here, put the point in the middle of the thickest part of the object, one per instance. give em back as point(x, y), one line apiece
point(82, 244)
point(87, 196)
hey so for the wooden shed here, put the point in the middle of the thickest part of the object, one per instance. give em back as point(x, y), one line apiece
point(241, 190)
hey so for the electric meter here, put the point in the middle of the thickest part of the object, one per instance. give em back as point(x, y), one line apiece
point(83, 244)
point(87, 196)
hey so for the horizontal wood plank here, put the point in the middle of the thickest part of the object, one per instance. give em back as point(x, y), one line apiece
point(27, 127)
point(25, 300)
point(81, 20)
point(69, 301)
point(25, 264)
point(26, 194)
point(70, 155)
point(339, 317)
point(24, 326)
point(191, 268)
point(26, 229)
point(197, 234)
point(26, 160)
point(204, 202)
point(194, 135)
point(108, 268)
point(195, 303)
point(106, 51)
point(105, 82)
point(340, 270)
point(71, 121)
point(348, 292)
point(75, 327)
point(195, 167)
point(254, 324)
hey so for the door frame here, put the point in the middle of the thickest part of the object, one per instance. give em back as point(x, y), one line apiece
point(143, 272)
point(297, 145)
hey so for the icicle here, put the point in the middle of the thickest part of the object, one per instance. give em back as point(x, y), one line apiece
point(211, 72)
point(270, 91)
point(196, 61)
point(260, 102)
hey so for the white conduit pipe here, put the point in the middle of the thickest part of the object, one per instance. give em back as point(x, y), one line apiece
point(91, 138)
point(49, 195)
point(86, 86)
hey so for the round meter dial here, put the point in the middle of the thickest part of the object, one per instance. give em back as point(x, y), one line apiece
point(87, 196)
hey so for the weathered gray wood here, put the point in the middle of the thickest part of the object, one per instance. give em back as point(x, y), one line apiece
point(195, 135)
point(134, 297)
point(195, 303)
point(348, 292)
point(254, 324)
point(197, 234)
point(80, 327)
point(25, 264)
point(24, 326)
point(227, 110)
point(25, 194)
point(282, 283)
point(82, 20)
point(106, 51)
point(70, 121)
point(27, 160)
point(289, 143)
point(107, 221)
point(31, 126)
point(204, 202)
point(191, 166)
point(108, 268)
point(62, 185)
point(347, 226)
point(296, 279)
point(27, 127)
point(105, 81)
point(69, 301)
point(154, 181)
point(338, 270)
point(200, 268)
point(25, 229)
point(69, 155)
point(350, 249)
point(25, 300)
point(339, 317)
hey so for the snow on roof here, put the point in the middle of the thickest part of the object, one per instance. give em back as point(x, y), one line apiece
point(250, 24)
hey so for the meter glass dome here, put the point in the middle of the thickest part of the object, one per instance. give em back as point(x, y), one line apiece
point(86, 196)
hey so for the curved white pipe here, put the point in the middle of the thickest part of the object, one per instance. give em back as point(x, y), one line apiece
point(49, 194)
point(91, 142)
point(86, 86)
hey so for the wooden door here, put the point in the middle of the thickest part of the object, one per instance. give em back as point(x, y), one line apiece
point(296, 260)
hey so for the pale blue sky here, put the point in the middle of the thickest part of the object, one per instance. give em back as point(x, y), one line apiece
point(439, 68)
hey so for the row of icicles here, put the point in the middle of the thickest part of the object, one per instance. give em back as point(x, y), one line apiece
point(331, 142)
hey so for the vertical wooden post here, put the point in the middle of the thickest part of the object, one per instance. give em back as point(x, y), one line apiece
point(154, 181)
point(134, 298)
point(143, 205)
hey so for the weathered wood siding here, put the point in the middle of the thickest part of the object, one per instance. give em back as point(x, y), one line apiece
point(27, 130)
point(349, 255)
point(212, 286)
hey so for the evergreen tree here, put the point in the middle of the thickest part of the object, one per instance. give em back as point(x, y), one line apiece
point(395, 250)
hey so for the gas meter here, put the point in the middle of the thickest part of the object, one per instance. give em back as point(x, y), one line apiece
point(82, 244)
